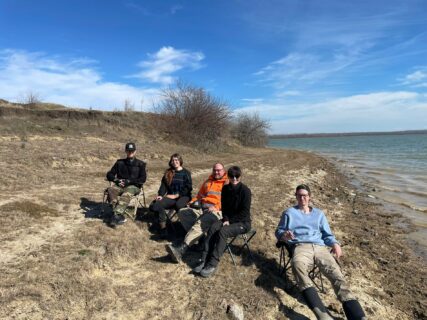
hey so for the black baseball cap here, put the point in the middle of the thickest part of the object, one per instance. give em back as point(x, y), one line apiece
point(130, 146)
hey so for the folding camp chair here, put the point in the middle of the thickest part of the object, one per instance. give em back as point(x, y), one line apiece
point(136, 202)
point(246, 238)
point(286, 254)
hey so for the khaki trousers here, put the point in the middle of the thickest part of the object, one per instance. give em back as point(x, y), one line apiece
point(303, 260)
point(196, 222)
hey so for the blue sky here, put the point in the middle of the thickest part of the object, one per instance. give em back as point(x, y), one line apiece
point(306, 66)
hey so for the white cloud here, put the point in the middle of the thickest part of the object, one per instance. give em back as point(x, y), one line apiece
point(73, 83)
point(381, 111)
point(416, 79)
point(299, 70)
point(160, 66)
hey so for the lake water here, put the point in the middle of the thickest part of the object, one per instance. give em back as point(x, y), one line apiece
point(396, 165)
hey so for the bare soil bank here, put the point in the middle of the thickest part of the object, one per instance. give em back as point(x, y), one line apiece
point(58, 260)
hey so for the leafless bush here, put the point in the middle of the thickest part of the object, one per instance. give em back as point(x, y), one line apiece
point(128, 106)
point(30, 99)
point(194, 116)
point(251, 130)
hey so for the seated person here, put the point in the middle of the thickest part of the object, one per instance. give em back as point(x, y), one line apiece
point(204, 210)
point(307, 231)
point(236, 219)
point(128, 176)
point(174, 192)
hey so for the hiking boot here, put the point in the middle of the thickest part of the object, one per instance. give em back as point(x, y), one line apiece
point(207, 271)
point(112, 222)
point(120, 219)
point(199, 267)
point(176, 253)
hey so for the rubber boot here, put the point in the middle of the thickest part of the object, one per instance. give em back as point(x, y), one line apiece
point(353, 310)
point(315, 304)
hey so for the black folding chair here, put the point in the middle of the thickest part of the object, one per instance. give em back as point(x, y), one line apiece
point(246, 238)
point(286, 254)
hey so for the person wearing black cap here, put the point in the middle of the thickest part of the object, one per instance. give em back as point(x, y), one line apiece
point(128, 176)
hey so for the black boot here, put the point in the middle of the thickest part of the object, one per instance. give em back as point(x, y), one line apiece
point(176, 253)
point(163, 231)
point(353, 310)
point(315, 304)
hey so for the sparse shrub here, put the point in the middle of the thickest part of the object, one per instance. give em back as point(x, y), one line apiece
point(251, 130)
point(31, 99)
point(128, 106)
point(193, 116)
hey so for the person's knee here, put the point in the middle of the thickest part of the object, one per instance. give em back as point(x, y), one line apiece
point(156, 207)
point(223, 233)
point(299, 266)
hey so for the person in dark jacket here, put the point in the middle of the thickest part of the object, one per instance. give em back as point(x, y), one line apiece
point(236, 219)
point(174, 192)
point(128, 176)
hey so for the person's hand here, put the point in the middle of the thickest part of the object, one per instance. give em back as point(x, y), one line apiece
point(158, 198)
point(226, 223)
point(336, 249)
point(122, 183)
point(212, 209)
point(288, 235)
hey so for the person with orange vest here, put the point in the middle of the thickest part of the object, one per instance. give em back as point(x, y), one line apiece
point(203, 211)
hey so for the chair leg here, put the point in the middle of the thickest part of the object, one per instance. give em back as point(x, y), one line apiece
point(315, 273)
point(231, 254)
point(246, 239)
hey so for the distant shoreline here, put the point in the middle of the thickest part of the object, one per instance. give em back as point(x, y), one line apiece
point(344, 134)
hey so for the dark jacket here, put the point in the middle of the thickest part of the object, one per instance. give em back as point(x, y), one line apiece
point(236, 203)
point(186, 189)
point(132, 171)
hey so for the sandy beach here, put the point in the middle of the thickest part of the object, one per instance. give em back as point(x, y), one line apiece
point(59, 260)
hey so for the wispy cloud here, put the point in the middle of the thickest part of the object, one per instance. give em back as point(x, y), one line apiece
point(333, 48)
point(380, 111)
point(73, 82)
point(301, 70)
point(139, 8)
point(172, 10)
point(417, 79)
point(161, 66)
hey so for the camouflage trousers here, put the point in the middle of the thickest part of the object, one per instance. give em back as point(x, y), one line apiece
point(119, 197)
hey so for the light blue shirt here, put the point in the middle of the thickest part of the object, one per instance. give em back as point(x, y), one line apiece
point(307, 228)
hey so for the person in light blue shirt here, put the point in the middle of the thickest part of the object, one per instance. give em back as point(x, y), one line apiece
point(306, 230)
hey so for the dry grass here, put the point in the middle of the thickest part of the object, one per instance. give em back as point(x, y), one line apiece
point(56, 263)
point(33, 210)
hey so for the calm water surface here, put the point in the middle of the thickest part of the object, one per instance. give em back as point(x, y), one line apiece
point(396, 165)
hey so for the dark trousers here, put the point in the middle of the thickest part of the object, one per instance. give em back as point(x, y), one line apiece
point(216, 240)
point(160, 206)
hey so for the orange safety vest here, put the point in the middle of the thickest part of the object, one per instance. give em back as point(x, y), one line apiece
point(210, 192)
